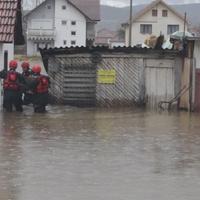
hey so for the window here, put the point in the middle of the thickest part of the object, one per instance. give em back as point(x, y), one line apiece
point(73, 23)
point(165, 13)
point(146, 28)
point(65, 42)
point(154, 13)
point(73, 42)
point(73, 33)
point(64, 22)
point(172, 28)
point(64, 7)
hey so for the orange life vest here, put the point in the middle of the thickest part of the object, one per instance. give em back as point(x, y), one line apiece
point(43, 84)
point(10, 82)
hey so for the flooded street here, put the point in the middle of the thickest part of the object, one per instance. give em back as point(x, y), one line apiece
point(99, 154)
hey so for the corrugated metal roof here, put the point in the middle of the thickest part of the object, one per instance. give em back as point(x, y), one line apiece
point(8, 15)
point(102, 49)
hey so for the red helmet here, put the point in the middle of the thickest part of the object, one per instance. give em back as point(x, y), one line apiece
point(36, 69)
point(13, 64)
point(25, 65)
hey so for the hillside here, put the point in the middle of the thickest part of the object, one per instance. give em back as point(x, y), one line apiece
point(112, 17)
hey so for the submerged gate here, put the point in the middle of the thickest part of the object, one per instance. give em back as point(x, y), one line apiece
point(77, 80)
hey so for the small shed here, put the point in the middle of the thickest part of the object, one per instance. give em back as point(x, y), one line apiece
point(113, 77)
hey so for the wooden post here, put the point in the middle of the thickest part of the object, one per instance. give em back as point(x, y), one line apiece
point(6, 60)
point(185, 21)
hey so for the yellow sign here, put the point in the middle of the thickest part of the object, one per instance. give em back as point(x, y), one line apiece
point(106, 76)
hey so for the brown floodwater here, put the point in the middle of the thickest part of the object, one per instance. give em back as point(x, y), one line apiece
point(99, 154)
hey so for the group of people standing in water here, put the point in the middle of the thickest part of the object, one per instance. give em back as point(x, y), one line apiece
point(28, 87)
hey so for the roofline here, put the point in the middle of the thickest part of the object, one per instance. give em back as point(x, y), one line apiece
point(149, 7)
point(68, 2)
point(79, 10)
point(31, 11)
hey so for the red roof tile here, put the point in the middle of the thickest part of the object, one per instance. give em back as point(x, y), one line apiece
point(8, 15)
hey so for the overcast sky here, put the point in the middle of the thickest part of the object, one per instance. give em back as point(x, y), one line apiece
point(120, 3)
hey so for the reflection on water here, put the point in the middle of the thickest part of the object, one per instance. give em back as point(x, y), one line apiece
point(92, 154)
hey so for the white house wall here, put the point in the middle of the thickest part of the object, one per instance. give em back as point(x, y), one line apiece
point(42, 17)
point(48, 21)
point(1, 56)
point(90, 30)
point(10, 49)
point(159, 25)
point(197, 53)
point(63, 32)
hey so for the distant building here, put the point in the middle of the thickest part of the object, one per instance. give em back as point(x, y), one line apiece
point(105, 37)
point(155, 19)
point(61, 23)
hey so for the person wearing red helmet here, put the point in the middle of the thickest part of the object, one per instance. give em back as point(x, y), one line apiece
point(40, 89)
point(12, 85)
point(26, 73)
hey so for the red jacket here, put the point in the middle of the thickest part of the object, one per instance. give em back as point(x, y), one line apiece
point(11, 81)
point(43, 84)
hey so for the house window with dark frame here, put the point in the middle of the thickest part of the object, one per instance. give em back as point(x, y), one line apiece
point(73, 33)
point(73, 42)
point(64, 7)
point(64, 22)
point(73, 23)
point(146, 28)
point(172, 29)
point(165, 13)
point(154, 12)
point(65, 42)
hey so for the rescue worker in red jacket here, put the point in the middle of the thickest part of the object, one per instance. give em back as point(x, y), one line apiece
point(40, 89)
point(26, 73)
point(12, 85)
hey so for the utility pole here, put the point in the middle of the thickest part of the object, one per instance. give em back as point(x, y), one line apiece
point(130, 22)
point(185, 21)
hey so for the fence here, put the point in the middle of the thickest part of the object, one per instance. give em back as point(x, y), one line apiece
point(105, 77)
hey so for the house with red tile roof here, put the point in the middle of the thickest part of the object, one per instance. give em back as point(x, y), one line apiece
point(10, 28)
point(61, 23)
